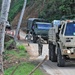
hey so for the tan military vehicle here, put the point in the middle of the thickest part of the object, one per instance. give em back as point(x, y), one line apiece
point(61, 39)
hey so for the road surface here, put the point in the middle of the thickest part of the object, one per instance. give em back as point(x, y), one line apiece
point(51, 67)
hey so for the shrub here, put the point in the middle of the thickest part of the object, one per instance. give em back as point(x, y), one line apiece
point(21, 47)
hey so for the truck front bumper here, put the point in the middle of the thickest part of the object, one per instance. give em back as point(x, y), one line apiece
point(69, 52)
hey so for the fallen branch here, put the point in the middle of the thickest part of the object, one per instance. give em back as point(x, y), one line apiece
point(38, 65)
point(15, 69)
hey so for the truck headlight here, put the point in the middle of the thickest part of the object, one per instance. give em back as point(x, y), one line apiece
point(68, 51)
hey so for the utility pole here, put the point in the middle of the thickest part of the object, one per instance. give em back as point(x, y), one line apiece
point(20, 20)
point(3, 20)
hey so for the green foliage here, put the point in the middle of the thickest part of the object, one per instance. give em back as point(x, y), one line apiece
point(20, 53)
point(21, 47)
point(51, 8)
point(15, 8)
point(55, 9)
point(23, 69)
point(71, 17)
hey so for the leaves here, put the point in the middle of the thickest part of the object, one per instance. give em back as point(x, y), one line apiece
point(55, 9)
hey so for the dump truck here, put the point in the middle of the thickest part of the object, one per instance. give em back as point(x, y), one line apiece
point(37, 26)
point(61, 41)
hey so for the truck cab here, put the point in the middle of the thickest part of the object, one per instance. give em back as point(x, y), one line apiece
point(67, 38)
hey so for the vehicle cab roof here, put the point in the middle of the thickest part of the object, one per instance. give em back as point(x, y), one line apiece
point(37, 19)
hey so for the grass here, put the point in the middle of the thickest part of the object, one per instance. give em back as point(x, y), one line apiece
point(23, 69)
point(19, 53)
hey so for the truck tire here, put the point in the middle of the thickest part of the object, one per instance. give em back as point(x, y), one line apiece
point(49, 54)
point(49, 51)
point(60, 58)
point(53, 55)
point(34, 38)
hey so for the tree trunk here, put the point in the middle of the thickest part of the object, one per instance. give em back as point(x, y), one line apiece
point(20, 20)
point(3, 20)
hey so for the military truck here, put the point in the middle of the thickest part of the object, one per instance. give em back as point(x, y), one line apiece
point(61, 39)
point(41, 28)
point(38, 26)
point(31, 22)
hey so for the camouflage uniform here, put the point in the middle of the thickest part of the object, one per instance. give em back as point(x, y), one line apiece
point(28, 38)
point(40, 45)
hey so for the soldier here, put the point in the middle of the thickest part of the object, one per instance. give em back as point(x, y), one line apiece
point(40, 45)
point(28, 37)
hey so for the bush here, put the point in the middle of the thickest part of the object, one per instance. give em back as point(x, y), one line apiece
point(21, 47)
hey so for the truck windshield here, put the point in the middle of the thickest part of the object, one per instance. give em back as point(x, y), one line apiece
point(44, 26)
point(70, 29)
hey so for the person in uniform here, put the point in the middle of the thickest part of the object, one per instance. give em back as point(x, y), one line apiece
point(28, 37)
point(40, 45)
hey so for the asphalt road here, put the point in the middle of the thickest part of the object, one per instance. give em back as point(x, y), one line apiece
point(51, 67)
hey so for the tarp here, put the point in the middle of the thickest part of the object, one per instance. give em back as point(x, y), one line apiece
point(43, 26)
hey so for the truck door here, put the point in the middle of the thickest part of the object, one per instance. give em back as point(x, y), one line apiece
point(62, 32)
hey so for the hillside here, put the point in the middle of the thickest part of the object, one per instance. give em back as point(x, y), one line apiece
point(32, 10)
point(55, 9)
point(47, 9)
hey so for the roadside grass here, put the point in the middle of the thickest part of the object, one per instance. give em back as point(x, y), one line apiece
point(24, 69)
point(20, 52)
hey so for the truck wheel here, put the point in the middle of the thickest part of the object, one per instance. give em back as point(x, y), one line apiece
point(49, 54)
point(49, 51)
point(53, 55)
point(34, 38)
point(60, 59)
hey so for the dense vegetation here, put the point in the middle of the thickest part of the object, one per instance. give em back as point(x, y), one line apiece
point(55, 9)
point(51, 9)
point(16, 6)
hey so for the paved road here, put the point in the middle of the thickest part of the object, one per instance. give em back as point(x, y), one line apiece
point(51, 67)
